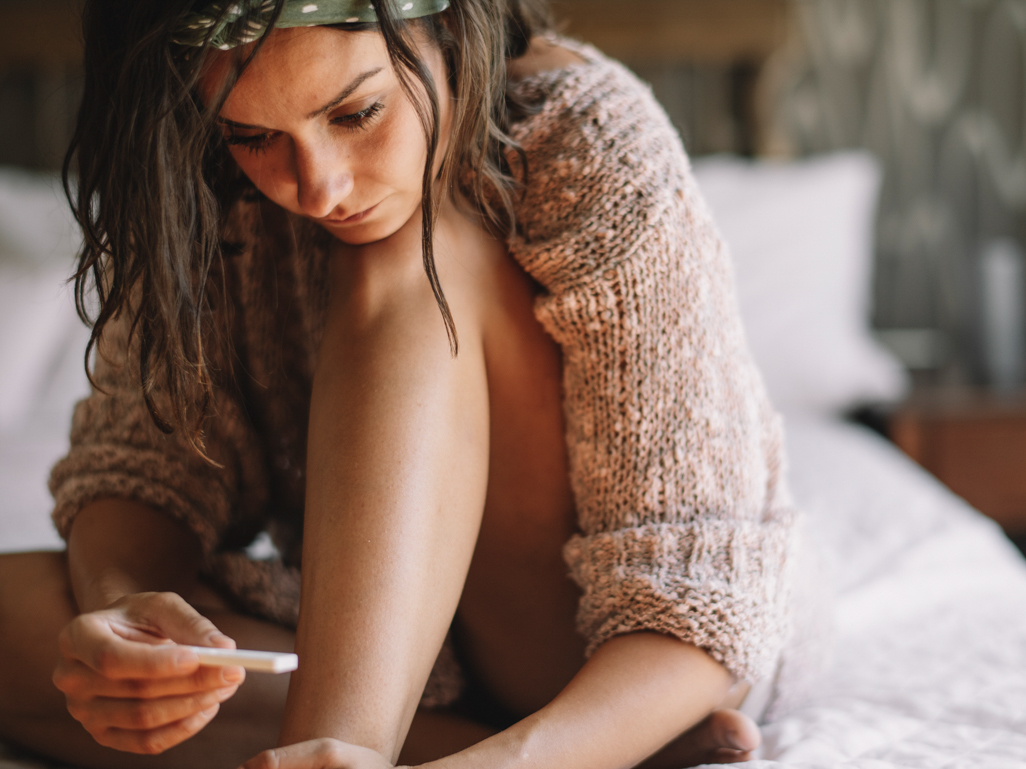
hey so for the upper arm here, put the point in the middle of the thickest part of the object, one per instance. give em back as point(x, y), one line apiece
point(119, 546)
point(675, 455)
point(117, 452)
point(675, 451)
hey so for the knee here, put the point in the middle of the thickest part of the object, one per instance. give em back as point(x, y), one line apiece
point(381, 277)
point(386, 280)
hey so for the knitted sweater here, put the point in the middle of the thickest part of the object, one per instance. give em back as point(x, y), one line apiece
point(676, 458)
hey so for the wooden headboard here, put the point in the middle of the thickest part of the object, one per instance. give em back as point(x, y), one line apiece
point(666, 31)
point(40, 33)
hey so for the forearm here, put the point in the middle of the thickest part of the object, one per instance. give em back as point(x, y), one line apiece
point(636, 693)
point(118, 547)
point(130, 567)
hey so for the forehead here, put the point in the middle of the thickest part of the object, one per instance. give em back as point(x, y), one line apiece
point(296, 71)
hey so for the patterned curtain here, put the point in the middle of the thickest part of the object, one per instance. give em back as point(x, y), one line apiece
point(937, 90)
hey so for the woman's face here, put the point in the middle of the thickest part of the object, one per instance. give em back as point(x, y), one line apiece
point(319, 123)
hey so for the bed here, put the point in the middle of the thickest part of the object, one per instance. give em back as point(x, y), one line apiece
point(929, 660)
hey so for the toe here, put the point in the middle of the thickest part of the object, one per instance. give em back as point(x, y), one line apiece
point(733, 730)
point(723, 737)
point(724, 756)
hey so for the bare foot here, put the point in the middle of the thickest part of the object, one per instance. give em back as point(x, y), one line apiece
point(725, 737)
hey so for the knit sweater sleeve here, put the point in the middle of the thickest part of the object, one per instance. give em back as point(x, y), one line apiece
point(117, 452)
point(675, 453)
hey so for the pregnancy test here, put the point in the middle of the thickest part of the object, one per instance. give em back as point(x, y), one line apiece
point(262, 662)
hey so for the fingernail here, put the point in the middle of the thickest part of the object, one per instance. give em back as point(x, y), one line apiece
point(733, 740)
point(209, 712)
point(232, 675)
point(225, 693)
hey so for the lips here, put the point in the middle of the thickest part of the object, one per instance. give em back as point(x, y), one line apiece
point(353, 219)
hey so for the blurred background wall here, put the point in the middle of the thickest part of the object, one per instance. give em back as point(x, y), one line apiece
point(40, 80)
point(936, 89)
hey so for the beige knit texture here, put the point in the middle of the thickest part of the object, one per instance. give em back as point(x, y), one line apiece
point(676, 455)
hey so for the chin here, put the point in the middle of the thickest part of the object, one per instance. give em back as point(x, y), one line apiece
point(361, 234)
point(378, 226)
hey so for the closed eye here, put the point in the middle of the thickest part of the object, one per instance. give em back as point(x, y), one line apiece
point(260, 142)
point(359, 119)
point(255, 143)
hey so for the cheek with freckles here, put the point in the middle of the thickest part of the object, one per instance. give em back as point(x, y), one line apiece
point(272, 173)
point(332, 173)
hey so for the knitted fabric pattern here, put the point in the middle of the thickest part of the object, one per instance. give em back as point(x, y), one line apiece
point(676, 455)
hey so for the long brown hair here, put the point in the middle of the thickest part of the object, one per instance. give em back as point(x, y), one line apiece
point(155, 181)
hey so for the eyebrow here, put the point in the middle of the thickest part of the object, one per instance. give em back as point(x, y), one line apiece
point(345, 94)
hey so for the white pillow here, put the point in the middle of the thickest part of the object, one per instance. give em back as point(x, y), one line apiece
point(42, 343)
point(40, 334)
point(801, 236)
point(39, 331)
point(36, 222)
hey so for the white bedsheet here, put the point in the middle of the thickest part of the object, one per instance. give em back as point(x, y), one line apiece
point(930, 664)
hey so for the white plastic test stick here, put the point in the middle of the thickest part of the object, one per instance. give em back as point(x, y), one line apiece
point(263, 662)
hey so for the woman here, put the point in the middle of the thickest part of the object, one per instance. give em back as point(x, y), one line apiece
point(433, 300)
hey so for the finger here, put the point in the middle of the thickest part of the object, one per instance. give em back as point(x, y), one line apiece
point(312, 754)
point(90, 640)
point(76, 678)
point(154, 741)
point(175, 618)
point(144, 715)
point(116, 658)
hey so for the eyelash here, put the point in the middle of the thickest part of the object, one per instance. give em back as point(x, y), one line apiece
point(356, 121)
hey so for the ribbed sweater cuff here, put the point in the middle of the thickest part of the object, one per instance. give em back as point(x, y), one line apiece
point(143, 475)
point(723, 586)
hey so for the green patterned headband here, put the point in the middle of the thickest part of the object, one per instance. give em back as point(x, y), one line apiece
point(246, 20)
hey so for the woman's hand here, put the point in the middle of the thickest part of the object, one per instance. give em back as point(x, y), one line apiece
point(319, 754)
point(128, 683)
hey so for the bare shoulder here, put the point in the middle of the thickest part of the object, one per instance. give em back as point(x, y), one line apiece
point(543, 55)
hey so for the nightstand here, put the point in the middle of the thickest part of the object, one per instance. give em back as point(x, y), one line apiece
point(974, 441)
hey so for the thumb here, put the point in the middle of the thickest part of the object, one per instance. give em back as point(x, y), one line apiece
point(178, 621)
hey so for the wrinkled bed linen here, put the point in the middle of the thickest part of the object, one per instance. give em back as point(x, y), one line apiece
point(929, 668)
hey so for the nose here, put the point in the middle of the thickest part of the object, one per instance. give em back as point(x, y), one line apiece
point(323, 179)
